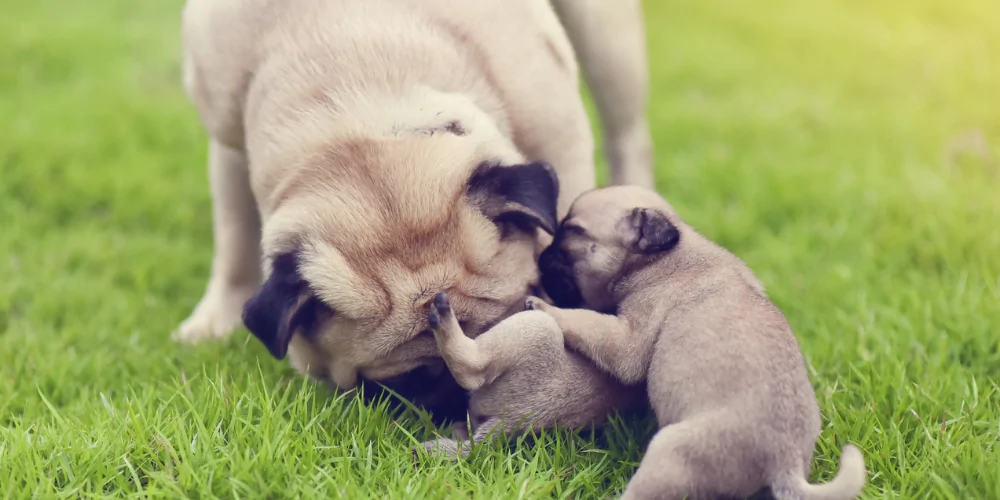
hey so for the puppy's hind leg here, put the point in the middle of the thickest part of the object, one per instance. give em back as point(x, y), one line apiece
point(714, 455)
point(450, 448)
point(454, 448)
point(236, 256)
point(609, 39)
point(466, 361)
point(664, 473)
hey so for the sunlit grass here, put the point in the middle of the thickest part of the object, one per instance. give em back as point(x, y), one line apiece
point(847, 150)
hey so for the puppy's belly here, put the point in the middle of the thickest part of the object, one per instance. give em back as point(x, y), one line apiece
point(571, 394)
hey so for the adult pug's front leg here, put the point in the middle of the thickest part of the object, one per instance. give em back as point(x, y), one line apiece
point(609, 37)
point(236, 256)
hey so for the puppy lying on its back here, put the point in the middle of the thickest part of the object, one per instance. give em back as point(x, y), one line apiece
point(521, 376)
point(724, 372)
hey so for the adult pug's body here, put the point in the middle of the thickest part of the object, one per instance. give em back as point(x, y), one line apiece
point(379, 151)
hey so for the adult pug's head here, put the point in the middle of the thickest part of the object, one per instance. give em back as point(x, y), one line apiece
point(359, 238)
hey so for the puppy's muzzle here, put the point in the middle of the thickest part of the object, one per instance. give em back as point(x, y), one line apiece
point(557, 277)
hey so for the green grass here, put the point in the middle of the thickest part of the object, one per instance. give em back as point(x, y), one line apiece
point(811, 138)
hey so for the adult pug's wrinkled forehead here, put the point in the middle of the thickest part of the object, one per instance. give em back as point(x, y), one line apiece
point(367, 319)
point(374, 153)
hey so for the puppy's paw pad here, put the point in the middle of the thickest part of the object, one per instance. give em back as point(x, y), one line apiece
point(433, 318)
point(441, 304)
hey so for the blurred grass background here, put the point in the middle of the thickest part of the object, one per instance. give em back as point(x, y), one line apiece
point(846, 149)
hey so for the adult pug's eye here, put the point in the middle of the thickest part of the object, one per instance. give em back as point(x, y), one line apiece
point(507, 229)
point(310, 316)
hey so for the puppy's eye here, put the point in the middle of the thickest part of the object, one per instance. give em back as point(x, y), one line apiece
point(575, 230)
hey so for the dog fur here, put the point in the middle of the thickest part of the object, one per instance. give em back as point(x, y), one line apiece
point(725, 375)
point(365, 154)
point(520, 376)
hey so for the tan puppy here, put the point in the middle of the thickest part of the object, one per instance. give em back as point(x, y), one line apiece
point(373, 152)
point(725, 375)
point(521, 376)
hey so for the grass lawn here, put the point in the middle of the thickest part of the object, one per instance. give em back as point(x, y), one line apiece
point(846, 149)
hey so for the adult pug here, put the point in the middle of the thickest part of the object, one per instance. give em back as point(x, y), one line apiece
point(371, 153)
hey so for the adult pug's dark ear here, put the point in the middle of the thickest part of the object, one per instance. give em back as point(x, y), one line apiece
point(654, 233)
point(281, 306)
point(524, 195)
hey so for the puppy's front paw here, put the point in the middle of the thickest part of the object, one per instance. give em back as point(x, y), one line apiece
point(535, 304)
point(440, 309)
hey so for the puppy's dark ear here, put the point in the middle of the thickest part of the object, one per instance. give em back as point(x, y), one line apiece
point(524, 195)
point(281, 306)
point(654, 233)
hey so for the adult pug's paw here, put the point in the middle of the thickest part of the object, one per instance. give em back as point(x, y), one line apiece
point(217, 315)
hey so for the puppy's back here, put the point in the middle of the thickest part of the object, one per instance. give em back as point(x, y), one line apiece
point(728, 342)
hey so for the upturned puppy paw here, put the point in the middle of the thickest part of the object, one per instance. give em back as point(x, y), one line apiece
point(440, 309)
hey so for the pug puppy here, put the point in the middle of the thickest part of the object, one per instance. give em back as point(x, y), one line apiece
point(520, 376)
point(365, 154)
point(725, 375)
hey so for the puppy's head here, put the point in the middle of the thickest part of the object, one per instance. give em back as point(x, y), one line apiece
point(360, 238)
point(606, 232)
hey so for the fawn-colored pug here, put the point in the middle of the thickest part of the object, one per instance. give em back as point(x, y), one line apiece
point(364, 154)
point(725, 375)
point(521, 376)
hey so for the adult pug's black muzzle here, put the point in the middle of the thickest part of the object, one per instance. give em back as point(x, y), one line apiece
point(437, 393)
point(557, 277)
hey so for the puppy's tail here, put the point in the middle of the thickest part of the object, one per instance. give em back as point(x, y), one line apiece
point(846, 485)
